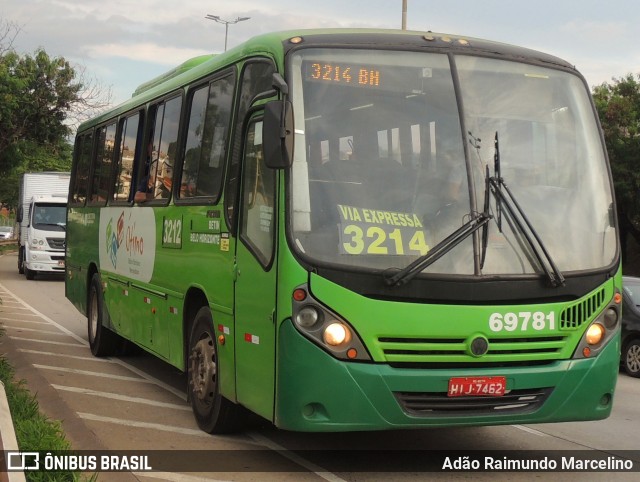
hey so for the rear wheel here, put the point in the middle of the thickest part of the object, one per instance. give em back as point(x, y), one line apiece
point(102, 340)
point(631, 357)
point(213, 412)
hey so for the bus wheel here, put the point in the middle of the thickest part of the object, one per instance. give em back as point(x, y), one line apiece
point(102, 340)
point(213, 412)
point(631, 357)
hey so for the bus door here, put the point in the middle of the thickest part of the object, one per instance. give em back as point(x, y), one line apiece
point(255, 289)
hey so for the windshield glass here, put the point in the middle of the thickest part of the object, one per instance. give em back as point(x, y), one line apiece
point(50, 217)
point(383, 171)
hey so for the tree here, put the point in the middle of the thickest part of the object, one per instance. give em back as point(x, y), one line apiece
point(41, 100)
point(618, 106)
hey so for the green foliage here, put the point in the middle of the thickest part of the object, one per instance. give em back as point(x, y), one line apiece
point(618, 106)
point(37, 93)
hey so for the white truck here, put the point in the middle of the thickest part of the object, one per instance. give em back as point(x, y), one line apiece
point(42, 222)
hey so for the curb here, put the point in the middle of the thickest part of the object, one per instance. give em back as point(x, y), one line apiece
point(8, 440)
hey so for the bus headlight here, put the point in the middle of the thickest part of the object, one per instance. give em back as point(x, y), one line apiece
point(600, 331)
point(307, 317)
point(336, 334)
point(325, 328)
point(595, 334)
point(610, 318)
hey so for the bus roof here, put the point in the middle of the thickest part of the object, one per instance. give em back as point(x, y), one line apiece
point(276, 44)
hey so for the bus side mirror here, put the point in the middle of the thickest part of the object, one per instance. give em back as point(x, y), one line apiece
point(277, 134)
point(19, 215)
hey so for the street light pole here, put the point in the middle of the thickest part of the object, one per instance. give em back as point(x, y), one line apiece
point(404, 14)
point(226, 23)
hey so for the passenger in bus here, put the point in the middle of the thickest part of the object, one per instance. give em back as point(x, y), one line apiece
point(143, 191)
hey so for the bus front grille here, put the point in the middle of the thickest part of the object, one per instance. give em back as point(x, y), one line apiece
point(428, 404)
point(575, 315)
point(456, 350)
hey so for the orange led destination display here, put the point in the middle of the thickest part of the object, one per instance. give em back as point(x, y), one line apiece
point(344, 74)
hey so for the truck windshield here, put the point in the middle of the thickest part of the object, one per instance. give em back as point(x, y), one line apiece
point(383, 170)
point(49, 217)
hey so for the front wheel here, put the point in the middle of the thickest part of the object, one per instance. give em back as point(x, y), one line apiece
point(631, 358)
point(102, 340)
point(213, 412)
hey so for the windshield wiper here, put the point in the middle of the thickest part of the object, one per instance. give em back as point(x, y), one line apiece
point(515, 212)
point(407, 273)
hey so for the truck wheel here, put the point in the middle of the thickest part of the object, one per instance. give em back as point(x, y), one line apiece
point(631, 358)
point(213, 412)
point(21, 261)
point(102, 340)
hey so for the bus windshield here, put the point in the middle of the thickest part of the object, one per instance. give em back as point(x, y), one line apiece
point(391, 158)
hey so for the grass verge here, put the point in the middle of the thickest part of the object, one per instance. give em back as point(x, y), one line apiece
point(8, 247)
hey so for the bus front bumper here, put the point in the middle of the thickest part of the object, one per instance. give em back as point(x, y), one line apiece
point(318, 393)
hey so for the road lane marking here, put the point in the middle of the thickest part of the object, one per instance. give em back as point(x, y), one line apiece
point(64, 355)
point(22, 328)
point(93, 374)
point(530, 430)
point(124, 398)
point(35, 322)
point(181, 394)
point(310, 466)
point(135, 423)
point(48, 342)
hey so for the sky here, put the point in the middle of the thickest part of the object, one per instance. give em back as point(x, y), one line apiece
point(123, 43)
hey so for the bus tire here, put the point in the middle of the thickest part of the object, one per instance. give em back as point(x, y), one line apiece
point(213, 412)
point(631, 357)
point(102, 340)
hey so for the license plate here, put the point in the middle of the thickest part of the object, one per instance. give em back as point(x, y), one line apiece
point(477, 386)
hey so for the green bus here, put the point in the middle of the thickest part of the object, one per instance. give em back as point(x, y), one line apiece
point(356, 230)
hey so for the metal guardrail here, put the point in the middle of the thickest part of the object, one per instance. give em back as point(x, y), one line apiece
point(4, 242)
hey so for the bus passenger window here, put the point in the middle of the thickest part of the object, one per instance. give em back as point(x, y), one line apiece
point(258, 198)
point(206, 143)
point(126, 158)
point(102, 165)
point(163, 154)
point(80, 180)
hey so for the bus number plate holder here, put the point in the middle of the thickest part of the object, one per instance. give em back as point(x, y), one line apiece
point(477, 386)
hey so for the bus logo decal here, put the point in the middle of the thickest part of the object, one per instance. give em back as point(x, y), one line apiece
point(249, 338)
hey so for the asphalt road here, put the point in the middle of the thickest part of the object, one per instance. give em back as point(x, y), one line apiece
point(138, 404)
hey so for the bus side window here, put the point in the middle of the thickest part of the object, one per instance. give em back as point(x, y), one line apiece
point(258, 198)
point(207, 135)
point(163, 151)
point(80, 179)
point(103, 161)
point(126, 158)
